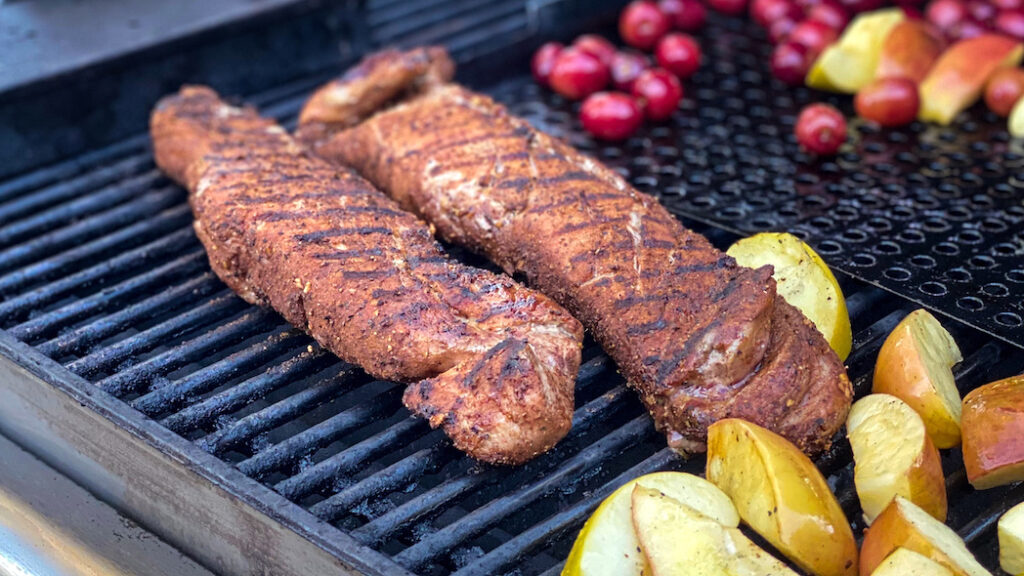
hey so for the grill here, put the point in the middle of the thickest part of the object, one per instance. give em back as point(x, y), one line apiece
point(127, 364)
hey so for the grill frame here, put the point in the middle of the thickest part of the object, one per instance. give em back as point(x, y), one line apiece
point(62, 416)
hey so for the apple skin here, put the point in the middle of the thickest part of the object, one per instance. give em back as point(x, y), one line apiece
point(993, 433)
point(909, 51)
point(956, 80)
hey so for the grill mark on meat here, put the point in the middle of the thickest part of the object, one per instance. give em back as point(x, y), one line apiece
point(367, 280)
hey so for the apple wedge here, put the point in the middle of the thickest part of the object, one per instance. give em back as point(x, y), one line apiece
point(1016, 121)
point(677, 540)
point(956, 80)
point(850, 63)
point(904, 562)
point(909, 51)
point(1011, 540)
point(993, 421)
point(607, 545)
point(782, 496)
point(903, 525)
point(915, 365)
point(893, 455)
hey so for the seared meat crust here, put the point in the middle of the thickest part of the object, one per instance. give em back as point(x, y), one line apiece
point(698, 336)
point(491, 361)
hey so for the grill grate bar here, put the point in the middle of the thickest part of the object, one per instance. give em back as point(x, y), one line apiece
point(72, 235)
point(390, 479)
point(125, 238)
point(314, 437)
point(182, 391)
point(345, 462)
point(983, 524)
point(444, 14)
point(486, 516)
point(173, 298)
point(25, 204)
point(20, 306)
point(103, 359)
point(75, 209)
point(543, 532)
point(115, 295)
point(248, 391)
point(140, 375)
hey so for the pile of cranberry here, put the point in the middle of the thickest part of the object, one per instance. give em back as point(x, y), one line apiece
point(592, 63)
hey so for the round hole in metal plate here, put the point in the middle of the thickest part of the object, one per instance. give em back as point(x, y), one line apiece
point(1011, 319)
point(863, 260)
point(946, 249)
point(1016, 275)
point(897, 273)
point(970, 303)
point(934, 289)
point(959, 275)
point(922, 261)
point(970, 237)
point(995, 289)
point(888, 248)
point(829, 247)
point(980, 261)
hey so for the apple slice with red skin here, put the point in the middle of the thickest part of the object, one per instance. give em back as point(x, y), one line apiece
point(956, 80)
point(909, 51)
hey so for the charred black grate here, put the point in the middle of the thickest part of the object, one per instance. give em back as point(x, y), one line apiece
point(99, 270)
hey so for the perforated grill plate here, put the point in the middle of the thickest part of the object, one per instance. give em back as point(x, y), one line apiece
point(935, 214)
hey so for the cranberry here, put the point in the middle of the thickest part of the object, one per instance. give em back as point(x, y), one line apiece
point(597, 47)
point(544, 61)
point(1004, 89)
point(910, 11)
point(686, 15)
point(659, 93)
point(1008, 4)
point(830, 13)
point(966, 28)
point(765, 12)
point(733, 7)
point(578, 74)
point(679, 54)
point(642, 24)
point(780, 29)
point(945, 13)
point(611, 115)
point(888, 102)
point(813, 35)
point(790, 63)
point(821, 129)
point(981, 11)
point(1011, 23)
point(626, 68)
point(858, 6)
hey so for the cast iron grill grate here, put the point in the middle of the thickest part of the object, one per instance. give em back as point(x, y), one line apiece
point(100, 271)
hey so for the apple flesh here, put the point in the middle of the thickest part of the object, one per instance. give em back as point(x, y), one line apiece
point(894, 456)
point(781, 495)
point(905, 562)
point(1011, 540)
point(909, 51)
point(956, 80)
point(915, 365)
point(903, 525)
point(849, 64)
point(993, 428)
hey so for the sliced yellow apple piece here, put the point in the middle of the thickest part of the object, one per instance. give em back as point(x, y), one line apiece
point(894, 455)
point(956, 80)
point(781, 495)
point(607, 545)
point(1016, 121)
point(915, 365)
point(904, 562)
point(993, 428)
point(909, 51)
point(1011, 540)
point(903, 525)
point(677, 540)
point(850, 63)
point(804, 280)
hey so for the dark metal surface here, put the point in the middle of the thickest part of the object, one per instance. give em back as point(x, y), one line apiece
point(108, 292)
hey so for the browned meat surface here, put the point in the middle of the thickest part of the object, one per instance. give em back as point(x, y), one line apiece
point(699, 337)
point(491, 361)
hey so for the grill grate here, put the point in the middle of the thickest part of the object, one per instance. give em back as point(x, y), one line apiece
point(99, 270)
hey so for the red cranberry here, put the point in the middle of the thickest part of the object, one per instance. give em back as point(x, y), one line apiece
point(686, 15)
point(578, 74)
point(981, 10)
point(780, 29)
point(888, 102)
point(611, 115)
point(1011, 23)
point(830, 13)
point(679, 54)
point(813, 35)
point(966, 28)
point(733, 7)
point(858, 6)
point(1004, 89)
point(626, 68)
point(765, 12)
point(544, 61)
point(597, 47)
point(790, 63)
point(821, 129)
point(642, 24)
point(1008, 4)
point(659, 93)
point(945, 13)
point(910, 11)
